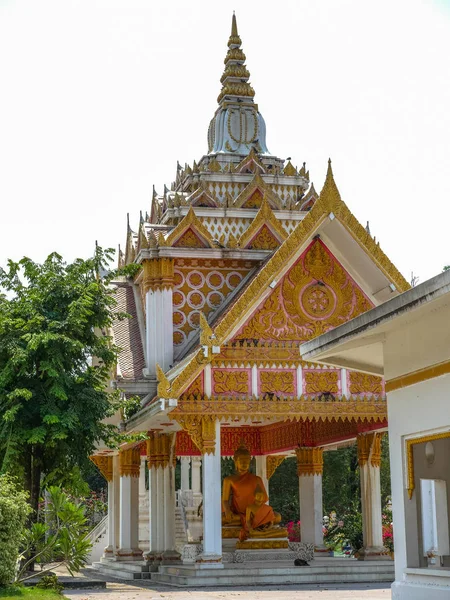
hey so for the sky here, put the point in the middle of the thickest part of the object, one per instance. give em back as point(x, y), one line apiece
point(100, 98)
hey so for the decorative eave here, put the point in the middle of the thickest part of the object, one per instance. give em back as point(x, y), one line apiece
point(265, 216)
point(258, 183)
point(192, 222)
point(274, 408)
point(173, 383)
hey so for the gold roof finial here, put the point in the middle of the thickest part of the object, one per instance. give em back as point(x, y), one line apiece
point(234, 37)
point(235, 77)
point(330, 195)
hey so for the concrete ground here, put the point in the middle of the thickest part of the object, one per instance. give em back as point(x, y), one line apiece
point(147, 591)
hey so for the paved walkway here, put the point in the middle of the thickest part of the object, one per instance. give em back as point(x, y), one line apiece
point(147, 591)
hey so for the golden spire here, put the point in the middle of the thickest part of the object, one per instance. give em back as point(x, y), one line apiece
point(235, 76)
point(330, 194)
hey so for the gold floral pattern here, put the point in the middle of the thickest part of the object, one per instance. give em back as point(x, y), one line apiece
point(320, 382)
point(277, 382)
point(363, 383)
point(231, 382)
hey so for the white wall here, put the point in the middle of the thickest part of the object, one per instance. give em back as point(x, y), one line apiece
point(418, 410)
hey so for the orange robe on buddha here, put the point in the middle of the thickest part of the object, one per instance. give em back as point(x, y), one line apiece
point(244, 489)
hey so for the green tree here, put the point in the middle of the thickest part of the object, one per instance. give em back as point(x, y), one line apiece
point(54, 317)
point(341, 485)
point(283, 491)
point(14, 509)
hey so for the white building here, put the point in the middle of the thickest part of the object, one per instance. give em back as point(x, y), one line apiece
point(407, 341)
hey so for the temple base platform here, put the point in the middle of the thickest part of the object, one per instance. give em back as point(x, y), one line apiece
point(265, 571)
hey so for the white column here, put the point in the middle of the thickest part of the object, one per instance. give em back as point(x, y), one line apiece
point(254, 380)
point(151, 328)
point(369, 458)
point(261, 470)
point(185, 462)
point(144, 539)
point(153, 501)
point(166, 318)
point(309, 470)
point(170, 554)
point(212, 509)
point(344, 382)
point(311, 511)
point(116, 491)
point(299, 380)
point(129, 511)
point(207, 379)
point(159, 325)
point(196, 463)
point(113, 507)
point(160, 541)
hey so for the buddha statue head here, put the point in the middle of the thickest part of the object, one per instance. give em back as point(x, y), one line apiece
point(242, 459)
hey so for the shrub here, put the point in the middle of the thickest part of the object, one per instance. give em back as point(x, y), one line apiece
point(388, 531)
point(62, 538)
point(50, 582)
point(14, 510)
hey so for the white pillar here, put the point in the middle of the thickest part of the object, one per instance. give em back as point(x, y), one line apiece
point(116, 486)
point(113, 507)
point(344, 382)
point(151, 328)
point(309, 470)
point(185, 462)
point(196, 463)
point(166, 319)
point(212, 508)
point(129, 505)
point(158, 276)
point(369, 458)
point(144, 538)
point(261, 470)
point(170, 554)
point(160, 541)
point(254, 380)
point(153, 501)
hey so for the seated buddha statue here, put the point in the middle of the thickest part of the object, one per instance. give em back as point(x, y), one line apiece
point(244, 501)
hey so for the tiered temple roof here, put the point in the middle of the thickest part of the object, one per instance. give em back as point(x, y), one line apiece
point(256, 263)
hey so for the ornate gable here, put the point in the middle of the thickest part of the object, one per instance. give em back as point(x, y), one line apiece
point(265, 232)
point(201, 198)
point(315, 295)
point(250, 164)
point(252, 196)
point(190, 233)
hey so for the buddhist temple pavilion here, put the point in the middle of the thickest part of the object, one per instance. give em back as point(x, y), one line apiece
point(241, 262)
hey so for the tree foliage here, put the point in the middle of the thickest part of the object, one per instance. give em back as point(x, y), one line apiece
point(54, 317)
point(14, 509)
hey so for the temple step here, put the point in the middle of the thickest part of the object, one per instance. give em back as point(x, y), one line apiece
point(122, 570)
point(236, 575)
